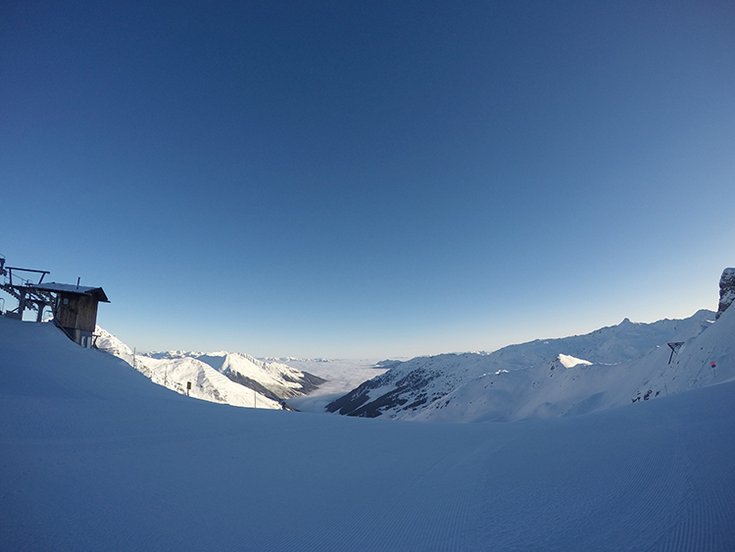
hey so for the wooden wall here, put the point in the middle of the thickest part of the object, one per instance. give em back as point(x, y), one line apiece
point(76, 312)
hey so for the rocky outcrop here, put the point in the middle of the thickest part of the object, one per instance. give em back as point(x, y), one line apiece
point(727, 290)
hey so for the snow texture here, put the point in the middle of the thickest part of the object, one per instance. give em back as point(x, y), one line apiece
point(94, 457)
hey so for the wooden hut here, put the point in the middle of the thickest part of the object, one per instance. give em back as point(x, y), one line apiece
point(75, 309)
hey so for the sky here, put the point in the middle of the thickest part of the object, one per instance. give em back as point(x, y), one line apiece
point(370, 179)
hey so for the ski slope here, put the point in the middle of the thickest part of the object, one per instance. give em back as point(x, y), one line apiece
point(94, 457)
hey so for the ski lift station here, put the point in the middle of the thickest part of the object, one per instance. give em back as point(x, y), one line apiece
point(74, 307)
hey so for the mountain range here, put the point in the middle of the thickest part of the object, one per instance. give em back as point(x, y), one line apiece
point(237, 379)
point(608, 367)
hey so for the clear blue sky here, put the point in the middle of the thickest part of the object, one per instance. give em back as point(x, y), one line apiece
point(370, 178)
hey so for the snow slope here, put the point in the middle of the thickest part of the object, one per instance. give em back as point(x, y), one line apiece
point(96, 458)
point(231, 378)
point(419, 388)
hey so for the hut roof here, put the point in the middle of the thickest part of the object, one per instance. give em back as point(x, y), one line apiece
point(96, 292)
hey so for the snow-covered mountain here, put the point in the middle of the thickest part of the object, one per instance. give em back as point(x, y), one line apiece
point(539, 378)
point(543, 391)
point(270, 378)
point(232, 378)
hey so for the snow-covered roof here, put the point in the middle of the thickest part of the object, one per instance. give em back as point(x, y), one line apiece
point(97, 292)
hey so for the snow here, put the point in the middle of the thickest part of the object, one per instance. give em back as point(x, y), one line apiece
point(239, 379)
point(456, 387)
point(175, 371)
point(71, 288)
point(94, 457)
point(269, 374)
point(568, 361)
point(225, 377)
point(540, 391)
